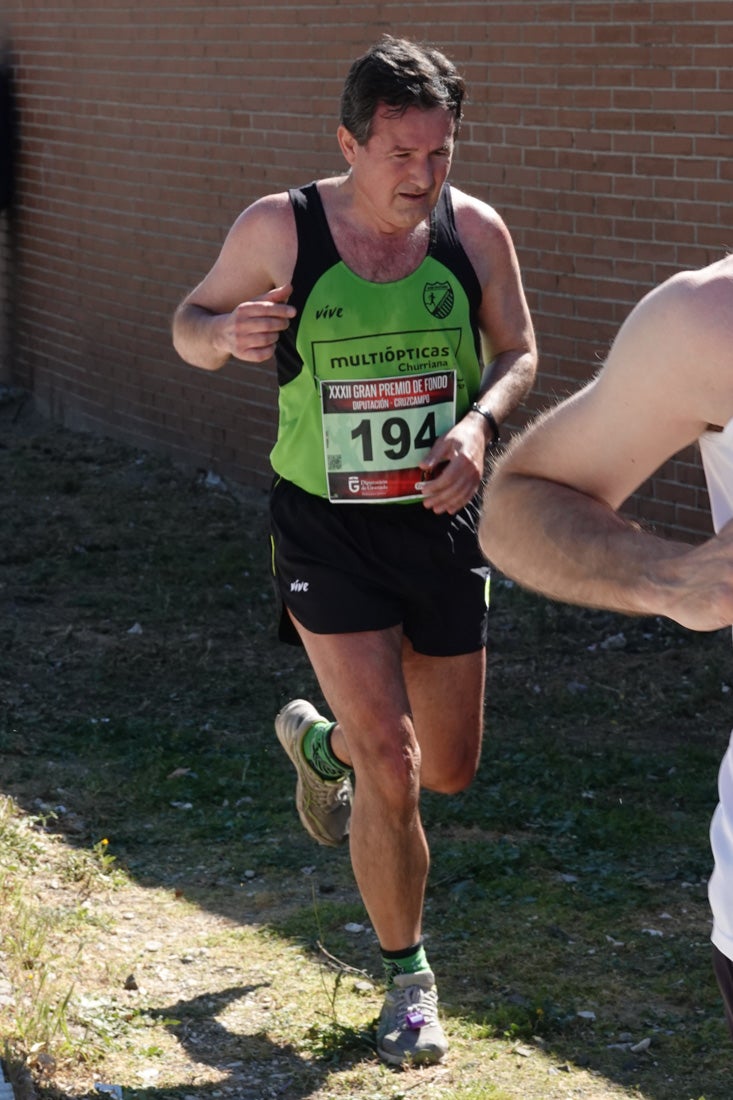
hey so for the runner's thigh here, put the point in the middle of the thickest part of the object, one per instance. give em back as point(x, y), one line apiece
point(447, 702)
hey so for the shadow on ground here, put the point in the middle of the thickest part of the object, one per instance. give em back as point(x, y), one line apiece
point(567, 904)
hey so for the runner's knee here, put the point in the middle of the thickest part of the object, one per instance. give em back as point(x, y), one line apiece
point(388, 767)
point(453, 771)
point(451, 780)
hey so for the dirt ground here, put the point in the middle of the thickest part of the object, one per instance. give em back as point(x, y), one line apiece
point(159, 863)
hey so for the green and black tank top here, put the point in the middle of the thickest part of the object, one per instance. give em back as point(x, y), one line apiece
point(369, 354)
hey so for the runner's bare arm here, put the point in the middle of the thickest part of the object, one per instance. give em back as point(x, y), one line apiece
point(550, 516)
point(509, 351)
point(241, 306)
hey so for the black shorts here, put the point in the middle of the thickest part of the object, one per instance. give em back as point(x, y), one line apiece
point(344, 568)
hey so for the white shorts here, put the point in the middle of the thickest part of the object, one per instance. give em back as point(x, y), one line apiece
point(720, 887)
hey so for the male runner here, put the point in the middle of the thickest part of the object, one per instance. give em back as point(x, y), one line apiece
point(550, 515)
point(394, 308)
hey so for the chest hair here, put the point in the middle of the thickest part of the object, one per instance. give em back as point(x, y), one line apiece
point(384, 258)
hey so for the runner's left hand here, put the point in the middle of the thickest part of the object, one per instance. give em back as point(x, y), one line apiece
point(454, 466)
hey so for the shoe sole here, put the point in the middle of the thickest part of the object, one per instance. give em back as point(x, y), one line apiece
point(419, 1059)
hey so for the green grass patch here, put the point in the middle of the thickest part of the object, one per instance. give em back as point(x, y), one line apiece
point(162, 911)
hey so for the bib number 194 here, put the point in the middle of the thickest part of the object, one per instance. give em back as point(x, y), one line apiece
point(376, 432)
point(395, 437)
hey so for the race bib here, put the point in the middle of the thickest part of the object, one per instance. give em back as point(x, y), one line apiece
point(376, 431)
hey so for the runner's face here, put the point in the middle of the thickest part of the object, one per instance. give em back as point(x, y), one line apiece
point(400, 170)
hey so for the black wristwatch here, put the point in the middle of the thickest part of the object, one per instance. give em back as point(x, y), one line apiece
point(489, 418)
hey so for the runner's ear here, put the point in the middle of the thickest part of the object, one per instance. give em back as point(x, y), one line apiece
point(348, 143)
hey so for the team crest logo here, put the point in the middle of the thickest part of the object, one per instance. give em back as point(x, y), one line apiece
point(438, 299)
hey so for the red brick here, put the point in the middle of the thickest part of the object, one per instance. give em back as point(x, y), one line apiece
point(601, 132)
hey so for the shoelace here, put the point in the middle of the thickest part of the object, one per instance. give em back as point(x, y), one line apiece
point(416, 1007)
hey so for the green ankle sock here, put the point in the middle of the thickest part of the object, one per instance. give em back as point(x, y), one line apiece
point(319, 754)
point(408, 961)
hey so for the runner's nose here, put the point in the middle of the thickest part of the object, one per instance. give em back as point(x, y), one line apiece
point(422, 174)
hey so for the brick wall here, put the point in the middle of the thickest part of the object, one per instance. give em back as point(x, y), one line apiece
point(602, 132)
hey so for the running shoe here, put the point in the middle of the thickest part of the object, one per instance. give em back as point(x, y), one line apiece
point(408, 1032)
point(324, 805)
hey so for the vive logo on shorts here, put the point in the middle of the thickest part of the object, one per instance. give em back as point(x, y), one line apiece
point(299, 586)
point(438, 299)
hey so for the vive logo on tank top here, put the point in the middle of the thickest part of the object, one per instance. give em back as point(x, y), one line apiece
point(438, 299)
point(328, 312)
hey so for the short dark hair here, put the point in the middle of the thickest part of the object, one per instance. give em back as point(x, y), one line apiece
point(400, 74)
